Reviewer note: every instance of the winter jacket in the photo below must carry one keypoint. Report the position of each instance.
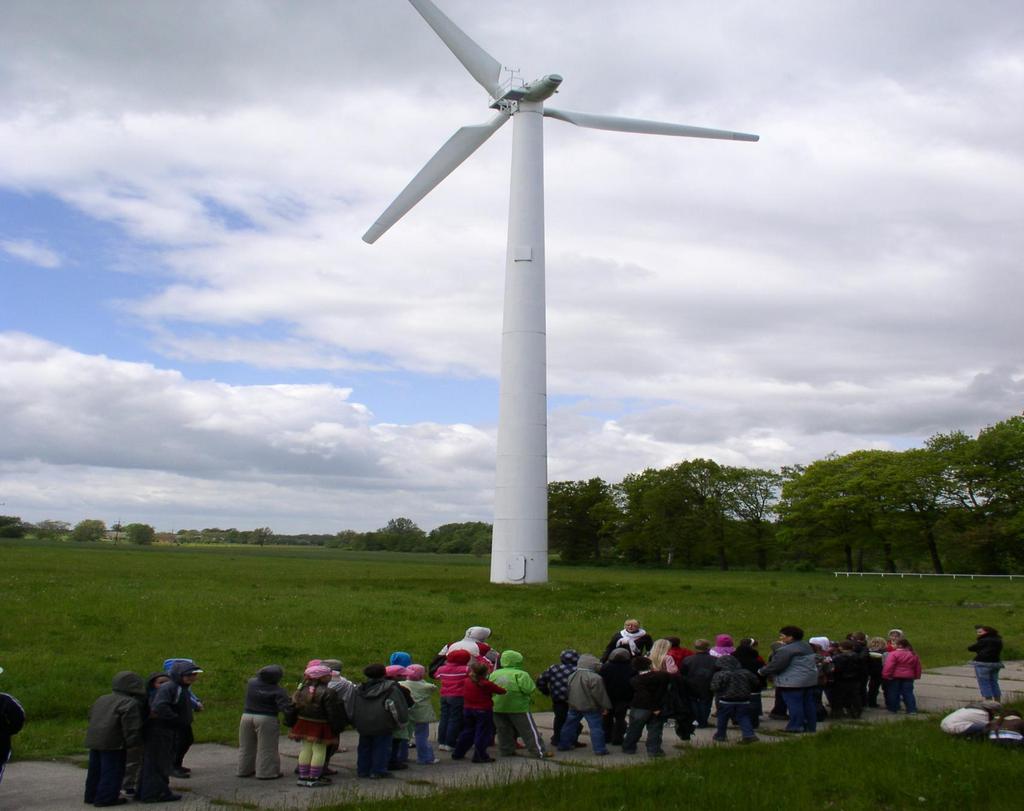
(379, 707)
(988, 648)
(171, 704)
(422, 710)
(902, 664)
(697, 672)
(264, 694)
(793, 665)
(12, 719)
(642, 644)
(586, 689)
(732, 682)
(751, 660)
(479, 695)
(452, 674)
(518, 684)
(320, 704)
(115, 720)
(618, 674)
(849, 667)
(649, 689)
(554, 681)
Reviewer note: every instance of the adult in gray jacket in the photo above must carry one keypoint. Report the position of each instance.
(793, 669)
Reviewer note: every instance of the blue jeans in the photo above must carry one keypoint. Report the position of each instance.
(571, 730)
(638, 720)
(424, 751)
(372, 754)
(987, 674)
(897, 690)
(801, 705)
(450, 724)
(728, 710)
(701, 710)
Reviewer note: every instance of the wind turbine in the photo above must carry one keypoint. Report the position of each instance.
(519, 546)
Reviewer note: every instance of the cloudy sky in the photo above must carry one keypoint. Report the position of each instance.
(192, 332)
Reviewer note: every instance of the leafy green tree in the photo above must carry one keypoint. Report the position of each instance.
(140, 534)
(51, 530)
(261, 536)
(11, 526)
(582, 516)
(91, 529)
(400, 535)
(750, 497)
(460, 538)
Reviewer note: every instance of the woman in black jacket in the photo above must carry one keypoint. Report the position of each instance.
(987, 664)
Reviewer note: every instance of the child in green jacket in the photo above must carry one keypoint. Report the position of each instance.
(512, 710)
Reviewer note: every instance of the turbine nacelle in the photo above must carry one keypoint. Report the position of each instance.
(537, 90)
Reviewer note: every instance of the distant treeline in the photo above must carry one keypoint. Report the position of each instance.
(955, 505)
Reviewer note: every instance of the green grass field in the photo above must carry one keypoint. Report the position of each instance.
(73, 615)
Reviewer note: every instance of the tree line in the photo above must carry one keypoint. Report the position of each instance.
(956, 504)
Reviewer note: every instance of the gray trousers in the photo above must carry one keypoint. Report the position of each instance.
(257, 746)
(508, 725)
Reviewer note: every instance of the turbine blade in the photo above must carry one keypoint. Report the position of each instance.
(611, 122)
(481, 65)
(456, 149)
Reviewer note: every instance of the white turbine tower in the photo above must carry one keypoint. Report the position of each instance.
(519, 547)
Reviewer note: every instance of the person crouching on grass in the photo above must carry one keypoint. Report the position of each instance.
(477, 714)
(115, 725)
(320, 718)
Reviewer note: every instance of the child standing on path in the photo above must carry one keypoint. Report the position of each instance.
(258, 729)
(320, 719)
(379, 707)
(421, 713)
(477, 714)
(732, 685)
(901, 669)
(115, 725)
(512, 710)
(452, 677)
(554, 682)
(587, 699)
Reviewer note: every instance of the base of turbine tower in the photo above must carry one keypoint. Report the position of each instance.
(519, 568)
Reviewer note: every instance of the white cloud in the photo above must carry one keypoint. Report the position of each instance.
(31, 252)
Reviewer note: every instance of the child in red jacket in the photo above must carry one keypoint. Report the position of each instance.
(477, 714)
(901, 669)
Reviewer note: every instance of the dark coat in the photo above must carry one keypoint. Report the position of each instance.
(643, 645)
(264, 694)
(322, 704)
(115, 720)
(988, 648)
(171, 704)
(650, 688)
(697, 672)
(12, 719)
(849, 667)
(617, 678)
(379, 707)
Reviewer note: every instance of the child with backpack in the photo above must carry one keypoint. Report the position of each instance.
(379, 707)
(320, 718)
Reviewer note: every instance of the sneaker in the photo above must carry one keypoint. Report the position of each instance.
(330, 772)
(181, 774)
(547, 754)
(321, 781)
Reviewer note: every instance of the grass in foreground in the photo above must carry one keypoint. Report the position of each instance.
(901, 765)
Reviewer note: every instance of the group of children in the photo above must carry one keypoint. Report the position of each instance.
(637, 686)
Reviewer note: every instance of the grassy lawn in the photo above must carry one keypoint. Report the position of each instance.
(73, 615)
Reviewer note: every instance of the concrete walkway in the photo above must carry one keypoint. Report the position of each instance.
(58, 785)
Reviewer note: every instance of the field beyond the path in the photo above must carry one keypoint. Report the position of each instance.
(74, 614)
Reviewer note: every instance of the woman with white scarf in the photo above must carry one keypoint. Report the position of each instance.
(632, 638)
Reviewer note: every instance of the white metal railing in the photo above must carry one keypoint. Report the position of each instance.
(925, 574)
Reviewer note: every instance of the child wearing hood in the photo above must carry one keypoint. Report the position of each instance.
(115, 725)
(379, 707)
(12, 719)
(421, 713)
(512, 710)
(588, 699)
(258, 729)
(732, 685)
(185, 735)
(133, 761)
(723, 646)
(618, 673)
(452, 678)
(554, 682)
(170, 713)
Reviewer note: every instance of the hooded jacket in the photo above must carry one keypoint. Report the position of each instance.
(115, 720)
(902, 663)
(697, 672)
(586, 688)
(171, 705)
(793, 665)
(554, 681)
(452, 674)
(618, 674)
(379, 707)
(733, 682)
(264, 694)
(988, 648)
(518, 684)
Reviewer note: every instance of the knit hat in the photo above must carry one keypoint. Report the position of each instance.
(333, 664)
(395, 672)
(821, 641)
(400, 658)
(477, 633)
(317, 672)
(415, 672)
(723, 641)
(458, 657)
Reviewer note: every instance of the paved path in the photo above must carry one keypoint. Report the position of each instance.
(57, 785)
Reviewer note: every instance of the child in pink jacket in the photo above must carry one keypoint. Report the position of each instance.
(901, 669)
(451, 677)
